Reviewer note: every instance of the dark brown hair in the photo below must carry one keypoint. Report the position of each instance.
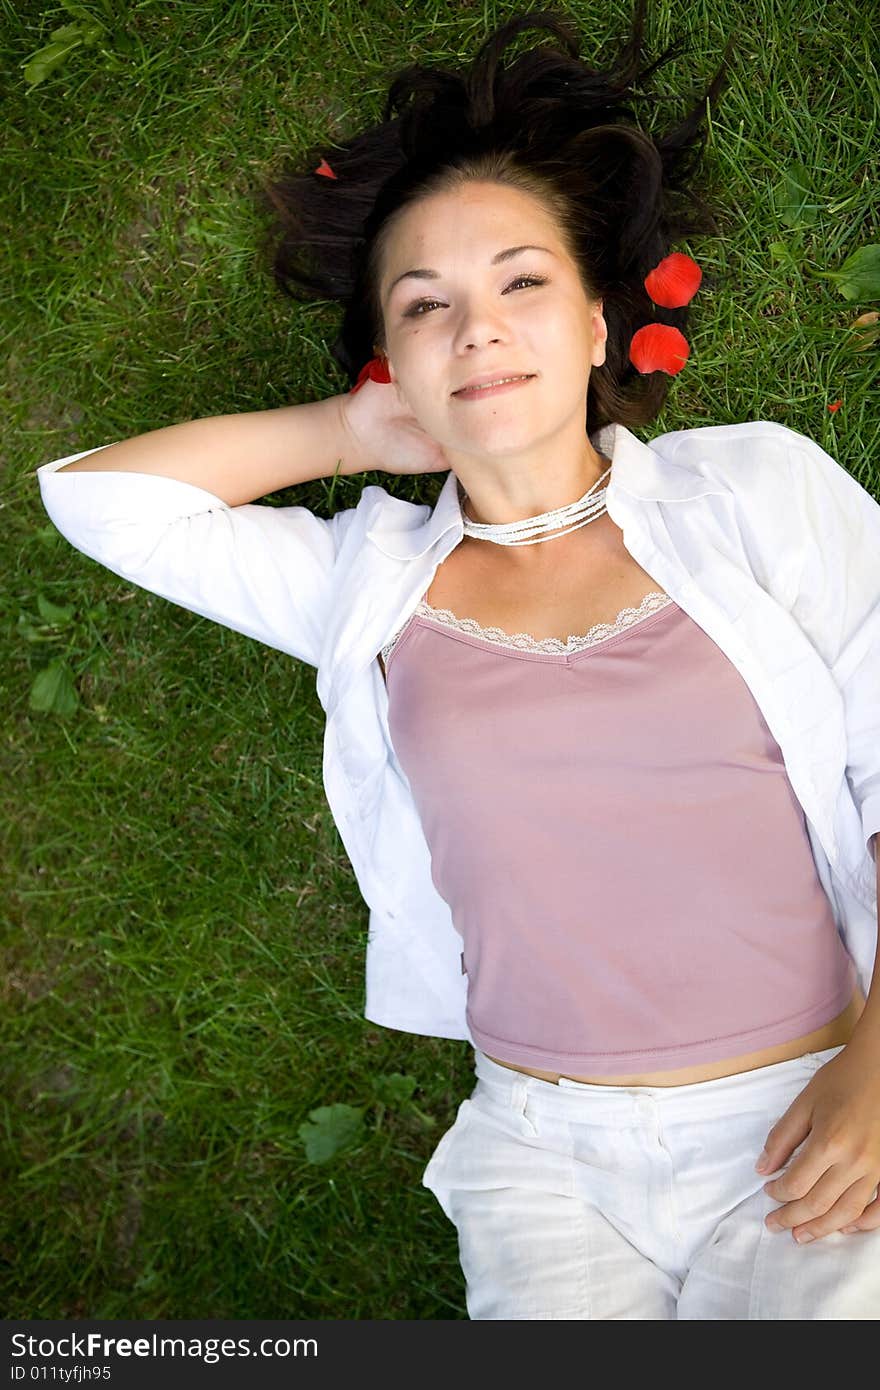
(549, 125)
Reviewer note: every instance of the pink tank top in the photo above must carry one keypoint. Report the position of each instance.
(611, 823)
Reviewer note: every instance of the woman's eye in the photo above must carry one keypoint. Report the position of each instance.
(520, 279)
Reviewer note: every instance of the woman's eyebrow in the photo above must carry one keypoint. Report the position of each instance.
(421, 273)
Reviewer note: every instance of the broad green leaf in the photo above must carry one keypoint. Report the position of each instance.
(53, 612)
(44, 62)
(794, 199)
(92, 33)
(334, 1127)
(859, 276)
(395, 1089)
(53, 691)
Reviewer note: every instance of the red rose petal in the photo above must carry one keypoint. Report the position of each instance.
(374, 370)
(324, 168)
(835, 405)
(378, 368)
(658, 347)
(674, 282)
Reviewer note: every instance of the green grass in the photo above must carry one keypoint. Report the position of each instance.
(183, 937)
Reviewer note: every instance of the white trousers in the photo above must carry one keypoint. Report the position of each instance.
(585, 1201)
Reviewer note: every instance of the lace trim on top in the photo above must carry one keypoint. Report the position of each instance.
(523, 641)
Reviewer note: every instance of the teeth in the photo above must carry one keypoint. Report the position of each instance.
(503, 382)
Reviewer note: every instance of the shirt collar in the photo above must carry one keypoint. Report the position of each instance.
(636, 468)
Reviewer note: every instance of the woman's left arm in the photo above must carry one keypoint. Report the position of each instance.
(832, 1183)
(867, 1029)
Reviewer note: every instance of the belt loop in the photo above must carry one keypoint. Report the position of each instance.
(519, 1098)
(520, 1091)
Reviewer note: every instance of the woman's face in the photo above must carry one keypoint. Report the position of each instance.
(480, 316)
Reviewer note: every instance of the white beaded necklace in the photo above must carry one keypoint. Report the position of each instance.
(533, 529)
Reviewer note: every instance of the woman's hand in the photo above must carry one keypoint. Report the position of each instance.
(385, 434)
(832, 1183)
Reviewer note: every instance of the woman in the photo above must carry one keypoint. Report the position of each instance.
(601, 727)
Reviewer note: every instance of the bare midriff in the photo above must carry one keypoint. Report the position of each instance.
(833, 1034)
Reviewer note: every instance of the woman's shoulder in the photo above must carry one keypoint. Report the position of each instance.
(760, 461)
(743, 443)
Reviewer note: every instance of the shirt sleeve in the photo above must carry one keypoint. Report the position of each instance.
(839, 605)
(262, 570)
(861, 694)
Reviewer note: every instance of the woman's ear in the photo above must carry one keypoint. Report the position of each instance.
(600, 334)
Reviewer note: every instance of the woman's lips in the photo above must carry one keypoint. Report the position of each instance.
(476, 392)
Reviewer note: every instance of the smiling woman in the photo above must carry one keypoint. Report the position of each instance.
(498, 366)
(495, 242)
(609, 807)
(551, 127)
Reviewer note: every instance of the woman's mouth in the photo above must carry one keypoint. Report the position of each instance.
(473, 393)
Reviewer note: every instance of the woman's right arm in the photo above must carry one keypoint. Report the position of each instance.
(240, 458)
(172, 511)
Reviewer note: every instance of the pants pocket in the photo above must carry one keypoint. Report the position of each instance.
(441, 1151)
(438, 1163)
(495, 1144)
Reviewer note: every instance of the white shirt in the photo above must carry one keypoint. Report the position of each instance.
(760, 536)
